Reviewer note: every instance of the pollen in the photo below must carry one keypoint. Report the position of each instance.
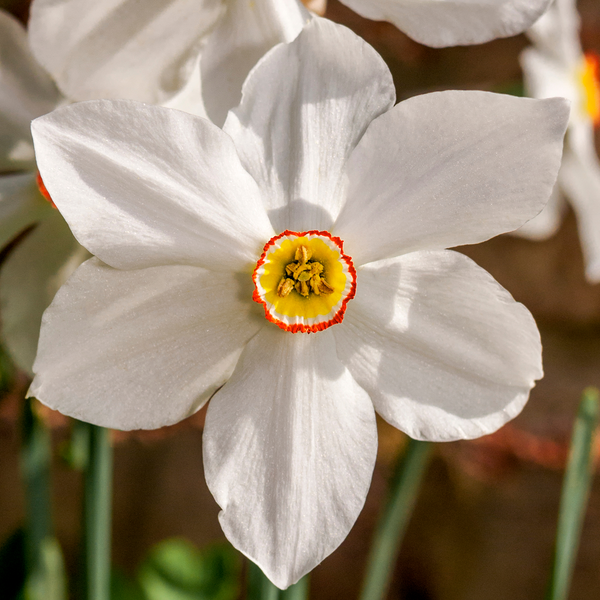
(304, 276)
(590, 82)
(304, 281)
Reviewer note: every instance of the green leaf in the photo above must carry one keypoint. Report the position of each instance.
(48, 581)
(575, 493)
(402, 496)
(176, 570)
(12, 565)
(123, 587)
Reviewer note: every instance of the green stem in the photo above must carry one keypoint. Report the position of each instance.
(298, 591)
(260, 586)
(36, 455)
(404, 488)
(97, 514)
(574, 497)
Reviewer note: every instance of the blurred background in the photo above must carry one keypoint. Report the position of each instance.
(485, 520)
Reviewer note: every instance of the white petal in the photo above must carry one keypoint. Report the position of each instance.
(26, 92)
(29, 279)
(21, 205)
(443, 350)
(450, 168)
(141, 349)
(119, 48)
(289, 449)
(579, 178)
(441, 23)
(243, 35)
(304, 108)
(548, 221)
(143, 186)
(189, 99)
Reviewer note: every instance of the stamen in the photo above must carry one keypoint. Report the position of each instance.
(303, 276)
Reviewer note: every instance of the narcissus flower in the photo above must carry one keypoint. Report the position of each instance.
(293, 267)
(443, 23)
(556, 66)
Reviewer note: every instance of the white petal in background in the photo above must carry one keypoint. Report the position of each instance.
(556, 32)
(26, 92)
(443, 350)
(579, 178)
(304, 108)
(245, 33)
(120, 48)
(29, 279)
(21, 205)
(143, 186)
(141, 349)
(546, 77)
(441, 23)
(450, 168)
(289, 449)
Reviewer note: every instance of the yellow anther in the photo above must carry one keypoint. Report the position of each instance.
(303, 276)
(316, 268)
(302, 288)
(324, 287)
(303, 254)
(285, 287)
(314, 284)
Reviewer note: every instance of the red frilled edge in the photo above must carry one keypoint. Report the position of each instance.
(300, 327)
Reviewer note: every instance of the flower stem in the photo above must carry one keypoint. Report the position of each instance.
(404, 488)
(575, 493)
(298, 591)
(259, 585)
(35, 465)
(97, 514)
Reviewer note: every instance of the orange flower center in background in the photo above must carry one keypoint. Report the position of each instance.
(43, 190)
(591, 86)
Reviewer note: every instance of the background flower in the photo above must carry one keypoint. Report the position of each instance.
(556, 66)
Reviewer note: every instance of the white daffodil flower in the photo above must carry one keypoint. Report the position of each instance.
(440, 23)
(319, 208)
(556, 66)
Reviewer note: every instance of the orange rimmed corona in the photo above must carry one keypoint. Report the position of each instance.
(43, 191)
(590, 83)
(304, 281)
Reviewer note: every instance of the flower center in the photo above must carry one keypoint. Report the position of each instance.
(43, 190)
(304, 276)
(590, 82)
(304, 281)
